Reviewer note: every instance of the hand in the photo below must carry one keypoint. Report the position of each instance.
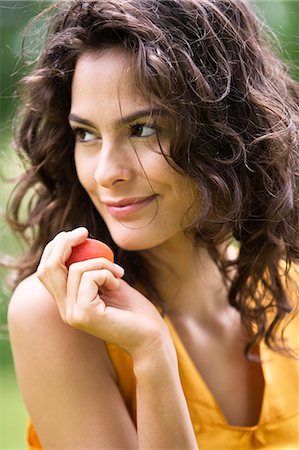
(91, 297)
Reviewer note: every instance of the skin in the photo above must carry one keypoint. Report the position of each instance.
(118, 159)
(96, 305)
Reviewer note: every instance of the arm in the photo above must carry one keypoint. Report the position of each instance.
(120, 315)
(66, 377)
(162, 414)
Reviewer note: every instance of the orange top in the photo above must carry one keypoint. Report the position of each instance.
(279, 420)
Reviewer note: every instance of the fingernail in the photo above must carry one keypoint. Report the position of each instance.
(119, 269)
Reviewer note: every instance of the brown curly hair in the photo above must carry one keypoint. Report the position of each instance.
(235, 110)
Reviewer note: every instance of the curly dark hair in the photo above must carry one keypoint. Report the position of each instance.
(235, 109)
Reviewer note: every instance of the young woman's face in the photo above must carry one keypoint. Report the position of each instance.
(143, 201)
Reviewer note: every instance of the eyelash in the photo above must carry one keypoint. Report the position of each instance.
(78, 131)
(156, 129)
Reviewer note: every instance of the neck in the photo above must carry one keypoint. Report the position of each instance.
(187, 279)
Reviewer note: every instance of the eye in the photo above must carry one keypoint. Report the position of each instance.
(83, 135)
(142, 130)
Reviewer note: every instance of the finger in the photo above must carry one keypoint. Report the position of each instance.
(55, 263)
(41, 271)
(46, 253)
(63, 243)
(76, 271)
(96, 264)
(93, 282)
(76, 233)
(49, 247)
(52, 271)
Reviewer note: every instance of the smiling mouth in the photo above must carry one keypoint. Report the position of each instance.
(126, 207)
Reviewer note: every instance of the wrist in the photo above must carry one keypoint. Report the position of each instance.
(160, 356)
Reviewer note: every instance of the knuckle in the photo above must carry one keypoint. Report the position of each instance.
(49, 265)
(90, 276)
(87, 276)
(105, 273)
(102, 260)
(74, 269)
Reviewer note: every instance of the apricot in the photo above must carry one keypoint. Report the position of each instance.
(89, 249)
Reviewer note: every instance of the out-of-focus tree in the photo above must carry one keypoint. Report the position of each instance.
(281, 15)
(14, 16)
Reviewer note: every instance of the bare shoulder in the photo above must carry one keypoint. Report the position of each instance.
(33, 316)
(31, 301)
(57, 365)
(34, 322)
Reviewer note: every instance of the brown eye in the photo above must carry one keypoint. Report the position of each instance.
(84, 135)
(141, 130)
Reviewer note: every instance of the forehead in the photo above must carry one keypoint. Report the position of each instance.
(108, 72)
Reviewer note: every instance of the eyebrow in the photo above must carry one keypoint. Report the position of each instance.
(124, 120)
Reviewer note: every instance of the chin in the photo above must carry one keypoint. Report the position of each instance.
(135, 241)
(132, 245)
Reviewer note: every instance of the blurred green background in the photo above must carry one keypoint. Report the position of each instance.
(281, 15)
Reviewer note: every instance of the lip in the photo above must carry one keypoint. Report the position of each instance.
(127, 206)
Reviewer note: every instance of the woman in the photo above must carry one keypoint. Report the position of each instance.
(168, 130)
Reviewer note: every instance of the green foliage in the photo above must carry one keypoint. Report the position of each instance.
(281, 15)
(13, 415)
(14, 16)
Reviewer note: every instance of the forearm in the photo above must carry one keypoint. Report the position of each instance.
(163, 420)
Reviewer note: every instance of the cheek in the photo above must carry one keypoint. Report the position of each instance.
(186, 195)
(84, 172)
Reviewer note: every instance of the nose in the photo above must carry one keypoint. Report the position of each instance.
(114, 164)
